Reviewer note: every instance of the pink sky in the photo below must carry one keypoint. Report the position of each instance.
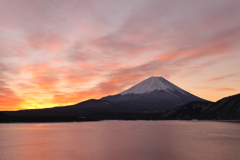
(61, 52)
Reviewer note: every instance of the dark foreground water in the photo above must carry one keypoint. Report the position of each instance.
(121, 140)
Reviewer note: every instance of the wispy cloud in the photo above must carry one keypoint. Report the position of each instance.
(219, 78)
(217, 88)
(225, 89)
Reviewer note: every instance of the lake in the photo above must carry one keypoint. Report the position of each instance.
(121, 140)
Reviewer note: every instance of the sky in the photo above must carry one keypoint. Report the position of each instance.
(62, 52)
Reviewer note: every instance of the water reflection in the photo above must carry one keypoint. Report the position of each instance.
(117, 140)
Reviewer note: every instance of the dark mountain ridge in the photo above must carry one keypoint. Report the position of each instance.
(227, 108)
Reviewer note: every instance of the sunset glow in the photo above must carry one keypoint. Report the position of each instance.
(62, 52)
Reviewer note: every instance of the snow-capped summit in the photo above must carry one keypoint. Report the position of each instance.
(154, 93)
(152, 84)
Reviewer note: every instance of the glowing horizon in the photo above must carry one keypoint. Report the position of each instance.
(59, 52)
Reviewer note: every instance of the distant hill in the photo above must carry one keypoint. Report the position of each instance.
(227, 108)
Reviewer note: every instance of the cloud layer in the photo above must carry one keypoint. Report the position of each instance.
(60, 52)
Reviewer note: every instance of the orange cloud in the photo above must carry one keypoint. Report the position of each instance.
(10, 103)
(44, 75)
(46, 82)
(9, 100)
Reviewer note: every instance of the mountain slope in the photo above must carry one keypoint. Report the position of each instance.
(152, 94)
(225, 109)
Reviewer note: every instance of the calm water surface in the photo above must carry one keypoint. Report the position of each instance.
(121, 140)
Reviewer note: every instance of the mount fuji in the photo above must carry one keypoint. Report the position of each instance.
(152, 94)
